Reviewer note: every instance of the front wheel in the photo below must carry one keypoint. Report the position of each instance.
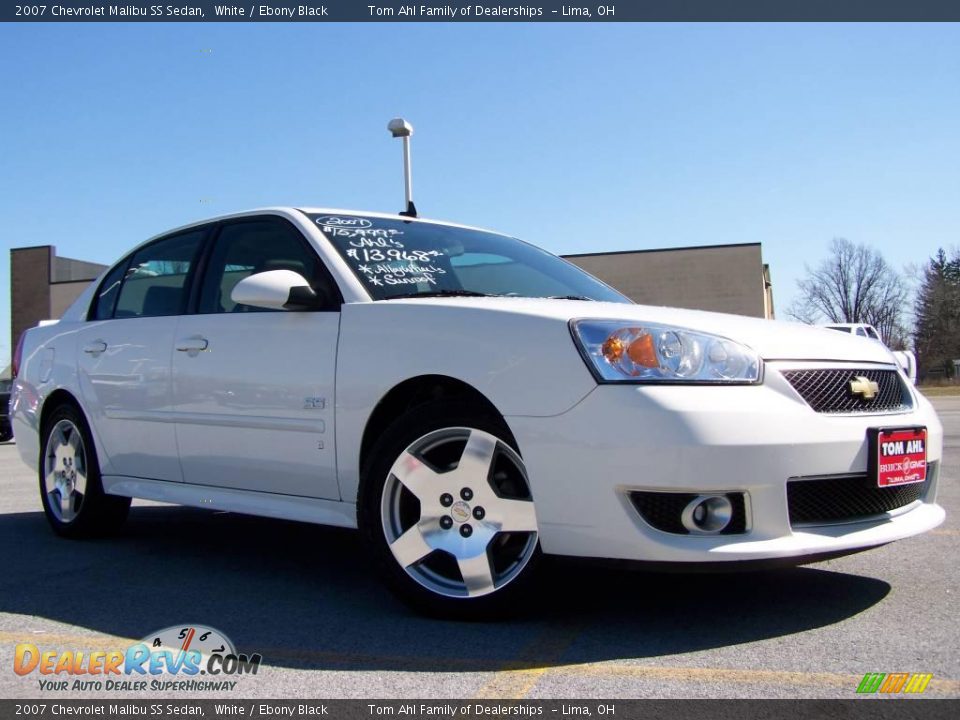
(73, 498)
(447, 511)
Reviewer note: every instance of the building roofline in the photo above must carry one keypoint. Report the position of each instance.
(673, 249)
(78, 260)
(33, 247)
(78, 280)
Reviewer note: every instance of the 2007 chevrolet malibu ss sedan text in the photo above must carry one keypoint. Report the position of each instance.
(468, 401)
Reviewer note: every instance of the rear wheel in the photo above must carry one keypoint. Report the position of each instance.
(447, 511)
(70, 488)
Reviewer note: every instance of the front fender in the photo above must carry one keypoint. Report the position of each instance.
(525, 365)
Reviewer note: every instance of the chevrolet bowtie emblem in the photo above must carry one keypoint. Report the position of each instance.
(864, 387)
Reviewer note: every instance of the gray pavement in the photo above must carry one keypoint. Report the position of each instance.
(304, 597)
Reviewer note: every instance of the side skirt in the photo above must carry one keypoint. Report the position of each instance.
(247, 502)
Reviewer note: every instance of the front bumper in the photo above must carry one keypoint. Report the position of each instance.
(706, 439)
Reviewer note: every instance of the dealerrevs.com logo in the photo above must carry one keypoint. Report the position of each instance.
(185, 658)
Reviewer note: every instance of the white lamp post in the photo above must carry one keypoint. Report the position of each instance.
(400, 128)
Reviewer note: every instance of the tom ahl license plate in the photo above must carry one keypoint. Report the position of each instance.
(898, 456)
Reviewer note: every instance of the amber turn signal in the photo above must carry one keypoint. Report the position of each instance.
(632, 346)
(642, 352)
(613, 348)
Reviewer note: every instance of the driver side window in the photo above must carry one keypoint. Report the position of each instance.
(245, 248)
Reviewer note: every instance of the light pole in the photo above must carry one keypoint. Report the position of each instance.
(400, 128)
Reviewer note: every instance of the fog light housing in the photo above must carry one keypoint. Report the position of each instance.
(662, 510)
(707, 514)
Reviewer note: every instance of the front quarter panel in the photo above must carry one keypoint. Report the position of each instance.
(525, 365)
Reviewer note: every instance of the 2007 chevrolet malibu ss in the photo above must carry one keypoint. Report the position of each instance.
(469, 401)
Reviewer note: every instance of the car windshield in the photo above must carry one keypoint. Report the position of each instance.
(398, 258)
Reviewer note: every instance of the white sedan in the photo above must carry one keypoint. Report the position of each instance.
(469, 401)
(905, 358)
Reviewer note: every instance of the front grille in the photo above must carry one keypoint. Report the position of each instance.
(828, 391)
(848, 498)
(662, 510)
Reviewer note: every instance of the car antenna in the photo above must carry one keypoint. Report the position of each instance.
(400, 128)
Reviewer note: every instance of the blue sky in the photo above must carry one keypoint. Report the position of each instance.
(579, 138)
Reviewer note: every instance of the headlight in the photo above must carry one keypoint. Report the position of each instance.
(624, 351)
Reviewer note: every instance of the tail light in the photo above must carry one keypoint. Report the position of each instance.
(17, 356)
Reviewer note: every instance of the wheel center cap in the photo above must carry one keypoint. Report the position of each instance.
(460, 511)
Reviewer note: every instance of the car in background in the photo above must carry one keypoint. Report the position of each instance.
(468, 401)
(905, 358)
(6, 430)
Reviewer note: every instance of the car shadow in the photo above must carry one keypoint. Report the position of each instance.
(305, 597)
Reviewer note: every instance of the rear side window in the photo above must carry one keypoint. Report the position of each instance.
(106, 297)
(245, 248)
(156, 279)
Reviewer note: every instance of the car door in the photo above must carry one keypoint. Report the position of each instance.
(253, 389)
(124, 358)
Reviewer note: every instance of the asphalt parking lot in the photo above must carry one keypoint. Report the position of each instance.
(303, 597)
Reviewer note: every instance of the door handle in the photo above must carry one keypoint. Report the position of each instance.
(193, 345)
(95, 348)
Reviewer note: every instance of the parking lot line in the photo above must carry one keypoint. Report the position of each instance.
(517, 684)
(517, 678)
(510, 684)
(83, 641)
(732, 675)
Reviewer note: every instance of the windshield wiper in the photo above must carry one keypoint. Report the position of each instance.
(569, 297)
(441, 293)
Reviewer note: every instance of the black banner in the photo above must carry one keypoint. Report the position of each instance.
(145, 709)
(464, 11)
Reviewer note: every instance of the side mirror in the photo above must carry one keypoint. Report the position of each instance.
(277, 290)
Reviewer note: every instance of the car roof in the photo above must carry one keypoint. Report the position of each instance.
(389, 216)
(323, 211)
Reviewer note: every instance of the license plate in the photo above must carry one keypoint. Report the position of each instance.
(898, 456)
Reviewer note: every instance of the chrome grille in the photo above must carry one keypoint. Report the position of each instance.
(828, 390)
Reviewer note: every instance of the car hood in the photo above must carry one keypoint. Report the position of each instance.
(773, 339)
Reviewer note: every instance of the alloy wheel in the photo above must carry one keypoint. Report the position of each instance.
(457, 512)
(65, 471)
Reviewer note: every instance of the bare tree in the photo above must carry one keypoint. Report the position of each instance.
(854, 284)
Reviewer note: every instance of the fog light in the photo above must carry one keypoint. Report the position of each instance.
(707, 514)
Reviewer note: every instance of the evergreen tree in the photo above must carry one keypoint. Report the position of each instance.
(937, 310)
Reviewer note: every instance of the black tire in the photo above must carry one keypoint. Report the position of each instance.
(94, 513)
(443, 419)
(6, 435)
